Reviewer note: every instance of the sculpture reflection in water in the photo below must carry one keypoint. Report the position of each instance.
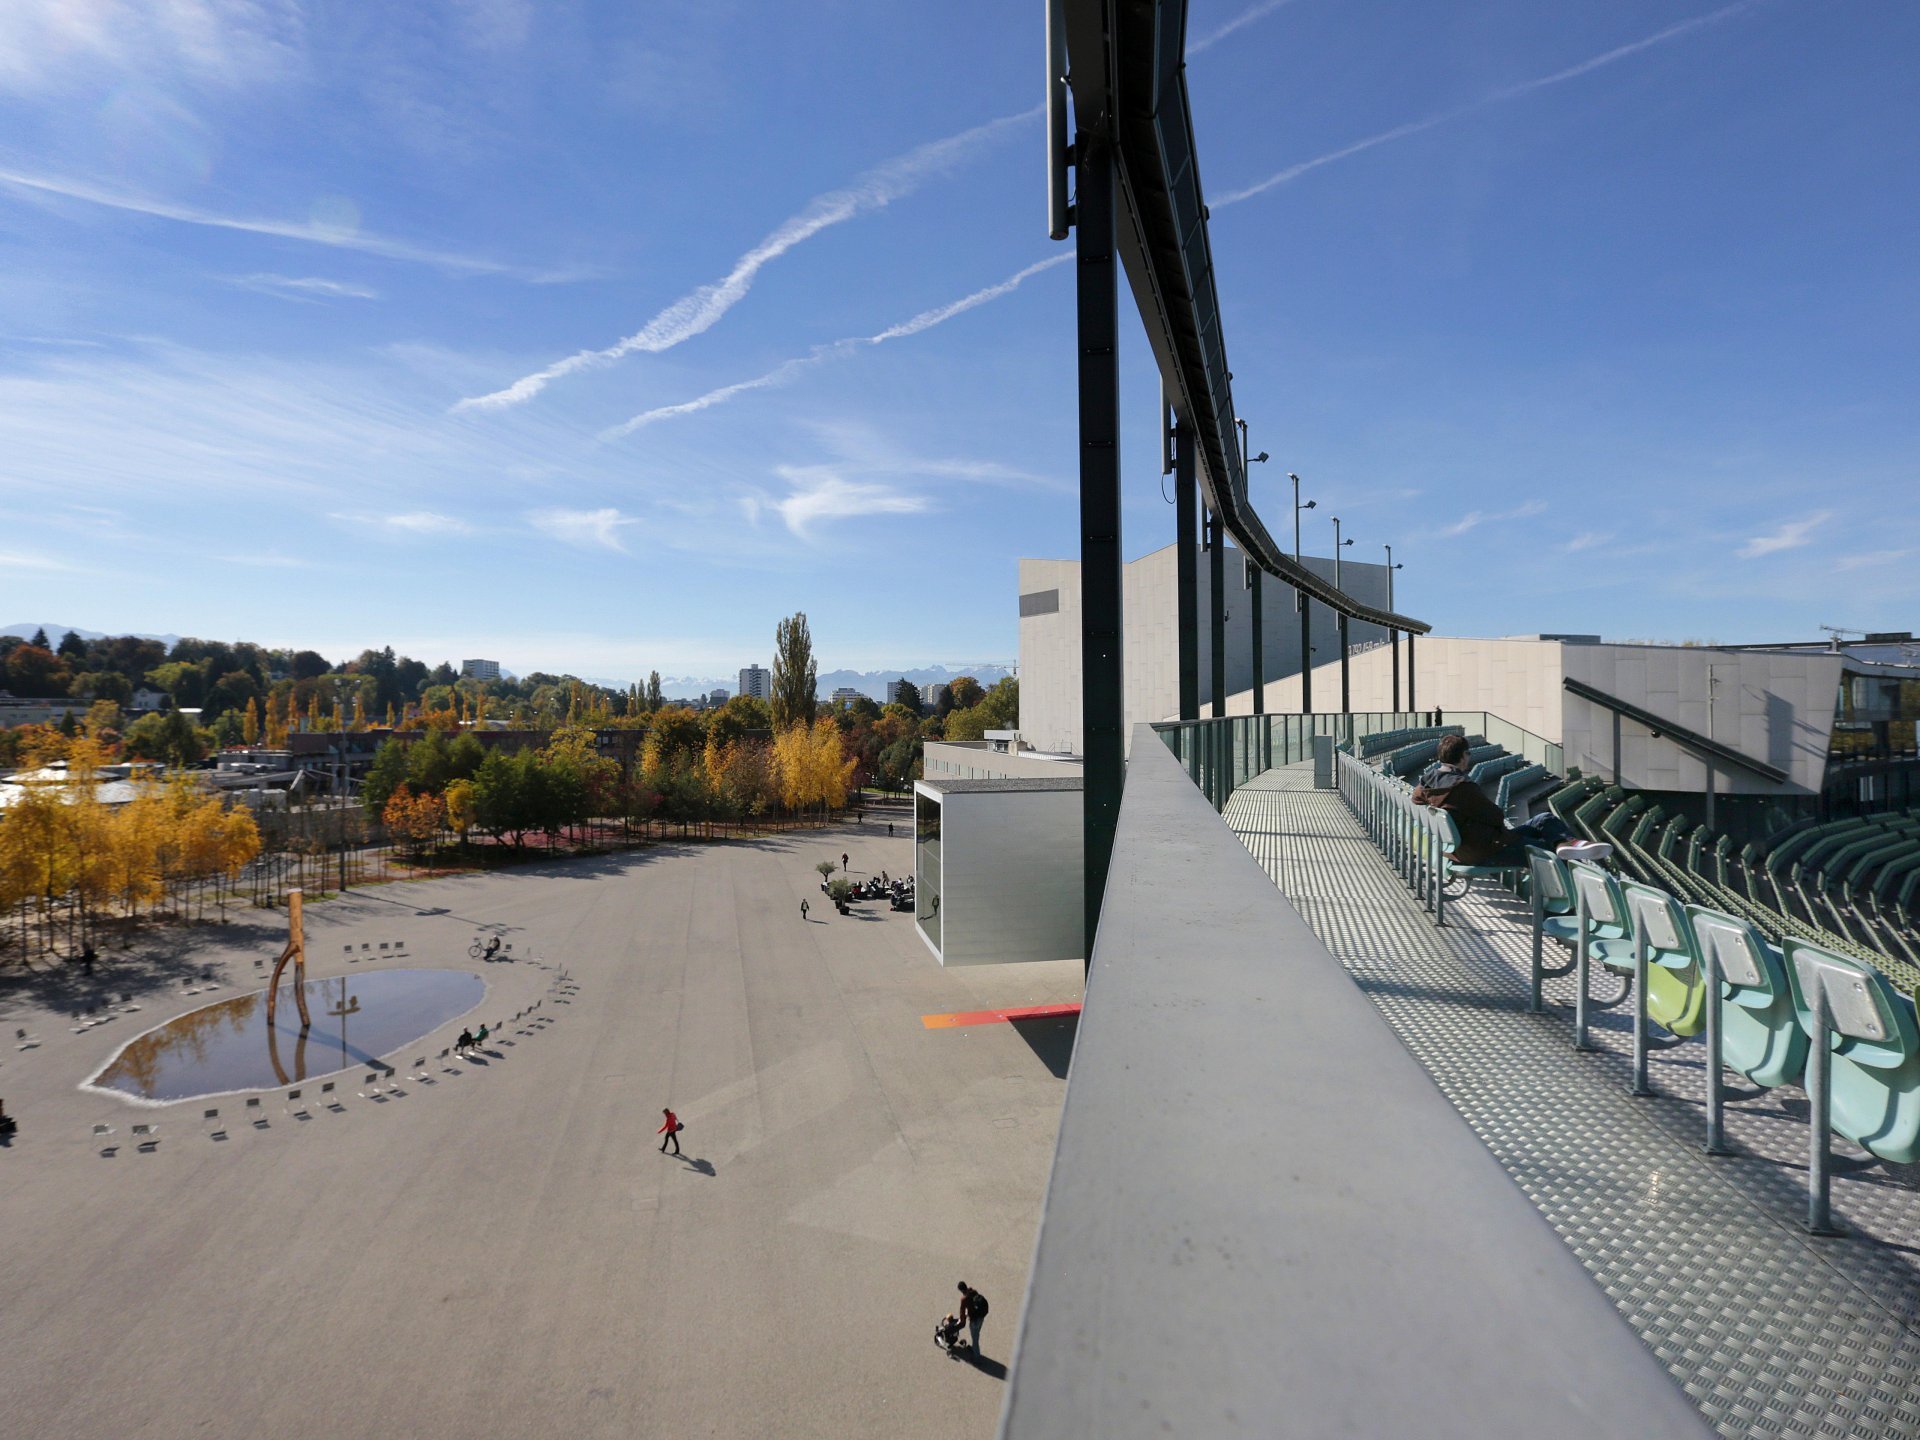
(229, 1046)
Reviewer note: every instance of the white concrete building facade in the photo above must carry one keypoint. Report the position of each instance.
(756, 682)
(1050, 637)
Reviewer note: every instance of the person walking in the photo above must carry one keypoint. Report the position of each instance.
(670, 1128)
(973, 1310)
(843, 860)
(803, 909)
(889, 829)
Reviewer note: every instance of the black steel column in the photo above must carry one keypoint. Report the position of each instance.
(1396, 670)
(1217, 577)
(1411, 702)
(1102, 678)
(1185, 498)
(1259, 642)
(1346, 692)
(1306, 654)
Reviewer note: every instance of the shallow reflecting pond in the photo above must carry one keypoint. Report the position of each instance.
(225, 1047)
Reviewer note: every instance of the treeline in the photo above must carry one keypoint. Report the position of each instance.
(68, 861)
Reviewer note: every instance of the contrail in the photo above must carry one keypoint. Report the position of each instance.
(1246, 17)
(1497, 97)
(287, 230)
(701, 309)
(788, 369)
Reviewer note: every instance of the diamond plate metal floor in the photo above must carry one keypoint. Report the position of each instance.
(1770, 1330)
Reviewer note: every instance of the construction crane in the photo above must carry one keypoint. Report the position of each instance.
(1838, 633)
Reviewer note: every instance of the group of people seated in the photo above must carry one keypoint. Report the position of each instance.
(469, 1040)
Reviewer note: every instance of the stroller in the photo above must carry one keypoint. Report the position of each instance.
(947, 1336)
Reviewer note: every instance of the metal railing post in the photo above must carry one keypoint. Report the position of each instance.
(1820, 1116)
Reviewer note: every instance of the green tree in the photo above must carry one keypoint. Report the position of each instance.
(387, 773)
(654, 700)
(37, 671)
(501, 803)
(464, 757)
(165, 735)
(72, 647)
(183, 680)
(795, 676)
(908, 695)
(965, 692)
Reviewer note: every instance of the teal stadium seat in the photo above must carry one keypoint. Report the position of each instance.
(1863, 1064)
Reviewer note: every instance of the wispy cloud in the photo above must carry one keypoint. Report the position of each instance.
(27, 560)
(790, 369)
(268, 561)
(337, 230)
(699, 310)
(1258, 11)
(1473, 519)
(45, 44)
(820, 493)
(1588, 539)
(410, 522)
(1790, 536)
(306, 288)
(589, 529)
(1871, 558)
(1497, 97)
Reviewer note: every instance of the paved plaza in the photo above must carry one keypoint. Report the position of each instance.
(503, 1251)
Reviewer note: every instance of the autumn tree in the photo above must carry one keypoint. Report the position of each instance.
(795, 676)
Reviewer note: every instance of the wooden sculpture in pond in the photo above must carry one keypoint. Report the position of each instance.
(296, 951)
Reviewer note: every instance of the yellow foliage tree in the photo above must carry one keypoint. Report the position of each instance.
(462, 809)
(250, 721)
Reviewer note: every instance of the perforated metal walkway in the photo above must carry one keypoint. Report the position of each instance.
(1772, 1331)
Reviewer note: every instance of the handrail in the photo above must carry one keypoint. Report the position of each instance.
(1253, 1177)
(1680, 735)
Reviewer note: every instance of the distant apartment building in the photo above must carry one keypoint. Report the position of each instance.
(756, 682)
(894, 688)
(717, 698)
(935, 694)
(846, 695)
(481, 669)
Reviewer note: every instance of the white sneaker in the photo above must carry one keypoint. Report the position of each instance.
(1591, 851)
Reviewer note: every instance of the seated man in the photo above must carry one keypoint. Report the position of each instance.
(493, 948)
(1485, 838)
(465, 1042)
(481, 1038)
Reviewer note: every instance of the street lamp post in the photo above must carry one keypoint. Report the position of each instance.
(1300, 604)
(1346, 688)
(1393, 633)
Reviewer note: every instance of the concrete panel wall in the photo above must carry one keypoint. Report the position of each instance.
(1518, 680)
(1012, 876)
(978, 760)
(1776, 706)
(1050, 640)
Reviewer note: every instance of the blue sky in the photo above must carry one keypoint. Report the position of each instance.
(597, 337)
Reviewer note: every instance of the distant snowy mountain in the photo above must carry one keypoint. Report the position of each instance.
(57, 633)
(867, 682)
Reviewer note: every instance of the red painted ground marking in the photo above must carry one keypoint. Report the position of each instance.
(988, 1017)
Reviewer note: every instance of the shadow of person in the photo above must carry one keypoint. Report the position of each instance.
(703, 1167)
(987, 1367)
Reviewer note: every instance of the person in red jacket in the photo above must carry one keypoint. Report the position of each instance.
(670, 1129)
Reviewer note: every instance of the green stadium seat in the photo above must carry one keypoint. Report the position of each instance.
(1863, 1064)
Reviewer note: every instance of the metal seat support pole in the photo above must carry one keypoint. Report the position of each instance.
(1716, 1085)
(1820, 1113)
(1102, 690)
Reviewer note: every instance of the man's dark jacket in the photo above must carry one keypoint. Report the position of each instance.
(1483, 829)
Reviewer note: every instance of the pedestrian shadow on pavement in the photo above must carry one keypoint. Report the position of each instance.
(703, 1167)
(985, 1366)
